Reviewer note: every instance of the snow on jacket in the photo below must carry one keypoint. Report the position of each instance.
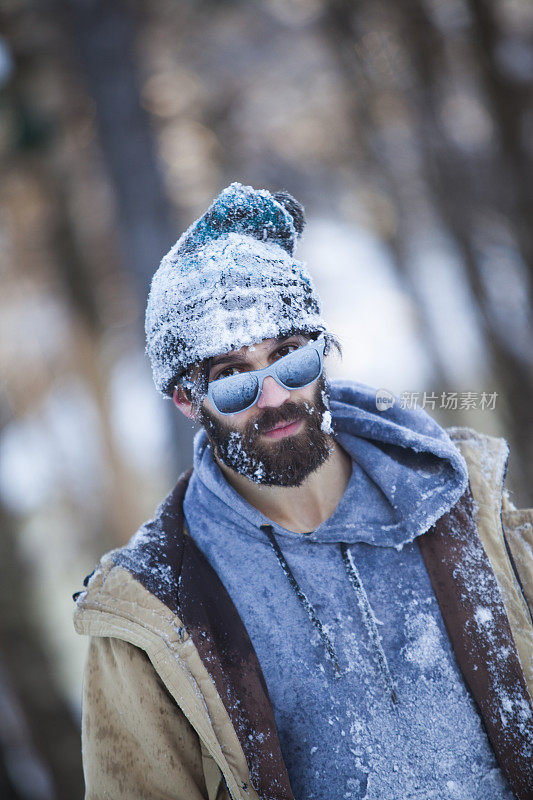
(203, 725)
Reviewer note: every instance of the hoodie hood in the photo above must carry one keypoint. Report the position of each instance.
(406, 473)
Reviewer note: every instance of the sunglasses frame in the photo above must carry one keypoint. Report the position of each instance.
(317, 344)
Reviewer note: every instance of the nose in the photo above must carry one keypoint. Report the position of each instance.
(272, 394)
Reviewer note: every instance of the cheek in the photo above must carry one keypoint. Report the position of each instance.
(207, 408)
(307, 395)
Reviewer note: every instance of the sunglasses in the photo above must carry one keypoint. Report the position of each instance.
(294, 371)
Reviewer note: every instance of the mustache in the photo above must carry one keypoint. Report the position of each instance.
(286, 413)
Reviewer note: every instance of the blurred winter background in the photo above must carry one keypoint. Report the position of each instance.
(405, 128)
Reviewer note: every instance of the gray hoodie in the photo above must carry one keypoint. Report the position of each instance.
(398, 721)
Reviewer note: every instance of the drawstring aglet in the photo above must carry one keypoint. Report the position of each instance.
(338, 671)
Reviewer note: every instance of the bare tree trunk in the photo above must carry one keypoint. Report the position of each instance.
(458, 186)
(461, 190)
(104, 32)
(400, 181)
(509, 102)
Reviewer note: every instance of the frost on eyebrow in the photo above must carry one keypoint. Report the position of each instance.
(241, 358)
(228, 358)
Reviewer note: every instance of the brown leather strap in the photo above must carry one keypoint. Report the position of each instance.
(474, 614)
(225, 648)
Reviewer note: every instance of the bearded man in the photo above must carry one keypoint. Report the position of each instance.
(324, 606)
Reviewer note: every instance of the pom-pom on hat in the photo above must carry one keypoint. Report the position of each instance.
(229, 281)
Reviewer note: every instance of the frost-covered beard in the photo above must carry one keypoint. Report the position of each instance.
(279, 462)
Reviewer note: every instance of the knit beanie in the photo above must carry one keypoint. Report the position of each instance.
(229, 281)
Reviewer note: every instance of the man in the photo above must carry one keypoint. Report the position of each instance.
(325, 607)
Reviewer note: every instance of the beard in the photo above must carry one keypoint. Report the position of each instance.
(279, 462)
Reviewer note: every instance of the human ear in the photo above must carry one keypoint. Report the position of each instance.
(182, 402)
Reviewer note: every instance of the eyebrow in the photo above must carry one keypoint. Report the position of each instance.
(242, 359)
(227, 359)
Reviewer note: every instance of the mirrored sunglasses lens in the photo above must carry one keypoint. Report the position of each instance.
(235, 393)
(300, 370)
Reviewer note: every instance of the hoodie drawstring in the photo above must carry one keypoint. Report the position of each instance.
(302, 597)
(369, 619)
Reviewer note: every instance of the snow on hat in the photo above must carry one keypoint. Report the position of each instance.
(229, 281)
